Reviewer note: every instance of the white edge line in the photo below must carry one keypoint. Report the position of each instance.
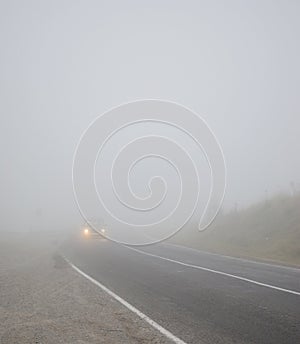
(217, 272)
(143, 316)
(246, 260)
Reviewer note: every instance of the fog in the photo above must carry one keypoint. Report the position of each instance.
(63, 63)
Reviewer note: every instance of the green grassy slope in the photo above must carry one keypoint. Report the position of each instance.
(266, 230)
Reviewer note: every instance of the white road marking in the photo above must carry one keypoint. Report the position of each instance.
(275, 265)
(143, 316)
(216, 272)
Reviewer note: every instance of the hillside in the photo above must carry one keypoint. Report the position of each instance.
(267, 230)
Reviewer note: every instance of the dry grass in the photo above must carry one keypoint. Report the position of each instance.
(267, 230)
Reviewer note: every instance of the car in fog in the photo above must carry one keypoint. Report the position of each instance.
(93, 231)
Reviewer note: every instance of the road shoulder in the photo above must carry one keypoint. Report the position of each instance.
(43, 300)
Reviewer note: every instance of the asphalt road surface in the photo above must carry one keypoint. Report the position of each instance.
(199, 297)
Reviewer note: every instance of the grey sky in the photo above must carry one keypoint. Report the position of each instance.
(62, 63)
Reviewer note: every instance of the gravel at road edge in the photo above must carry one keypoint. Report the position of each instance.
(43, 300)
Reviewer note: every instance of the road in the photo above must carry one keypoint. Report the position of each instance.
(198, 296)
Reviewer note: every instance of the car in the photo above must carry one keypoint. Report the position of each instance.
(89, 232)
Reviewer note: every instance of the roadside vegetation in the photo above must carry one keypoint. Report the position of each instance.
(269, 230)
